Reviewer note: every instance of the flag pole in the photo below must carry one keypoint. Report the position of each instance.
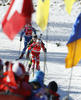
(45, 54)
(71, 70)
(76, 29)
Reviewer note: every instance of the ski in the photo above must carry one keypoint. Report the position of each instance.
(17, 59)
(22, 59)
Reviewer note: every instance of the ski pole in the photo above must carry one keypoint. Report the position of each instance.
(44, 61)
(20, 48)
(26, 65)
(45, 65)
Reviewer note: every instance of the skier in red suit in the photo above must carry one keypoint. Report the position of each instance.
(35, 48)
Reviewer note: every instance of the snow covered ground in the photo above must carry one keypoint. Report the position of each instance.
(58, 31)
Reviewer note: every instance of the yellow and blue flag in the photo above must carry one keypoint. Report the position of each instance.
(42, 13)
(69, 4)
(74, 45)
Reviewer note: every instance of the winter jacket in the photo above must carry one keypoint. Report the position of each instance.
(35, 48)
(18, 87)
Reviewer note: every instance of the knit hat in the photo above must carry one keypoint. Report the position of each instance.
(39, 77)
(18, 69)
(53, 86)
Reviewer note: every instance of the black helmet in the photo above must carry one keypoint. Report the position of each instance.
(34, 36)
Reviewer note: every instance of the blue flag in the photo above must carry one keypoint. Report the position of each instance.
(74, 45)
(76, 31)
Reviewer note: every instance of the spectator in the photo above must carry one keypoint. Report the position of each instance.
(15, 81)
(52, 91)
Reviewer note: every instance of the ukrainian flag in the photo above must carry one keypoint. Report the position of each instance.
(74, 45)
(42, 13)
(69, 4)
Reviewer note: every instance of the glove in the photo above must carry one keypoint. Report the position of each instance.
(20, 38)
(45, 50)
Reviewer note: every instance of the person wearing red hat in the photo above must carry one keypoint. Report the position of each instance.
(22, 78)
(20, 73)
(15, 81)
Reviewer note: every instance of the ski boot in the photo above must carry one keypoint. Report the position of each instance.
(21, 56)
(38, 68)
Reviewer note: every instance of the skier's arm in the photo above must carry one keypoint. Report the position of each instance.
(31, 46)
(34, 30)
(42, 43)
(29, 43)
(43, 47)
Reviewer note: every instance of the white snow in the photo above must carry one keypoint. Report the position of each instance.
(58, 31)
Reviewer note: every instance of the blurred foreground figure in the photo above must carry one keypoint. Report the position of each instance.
(52, 91)
(16, 80)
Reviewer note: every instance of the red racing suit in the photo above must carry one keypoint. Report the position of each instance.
(35, 51)
(28, 32)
